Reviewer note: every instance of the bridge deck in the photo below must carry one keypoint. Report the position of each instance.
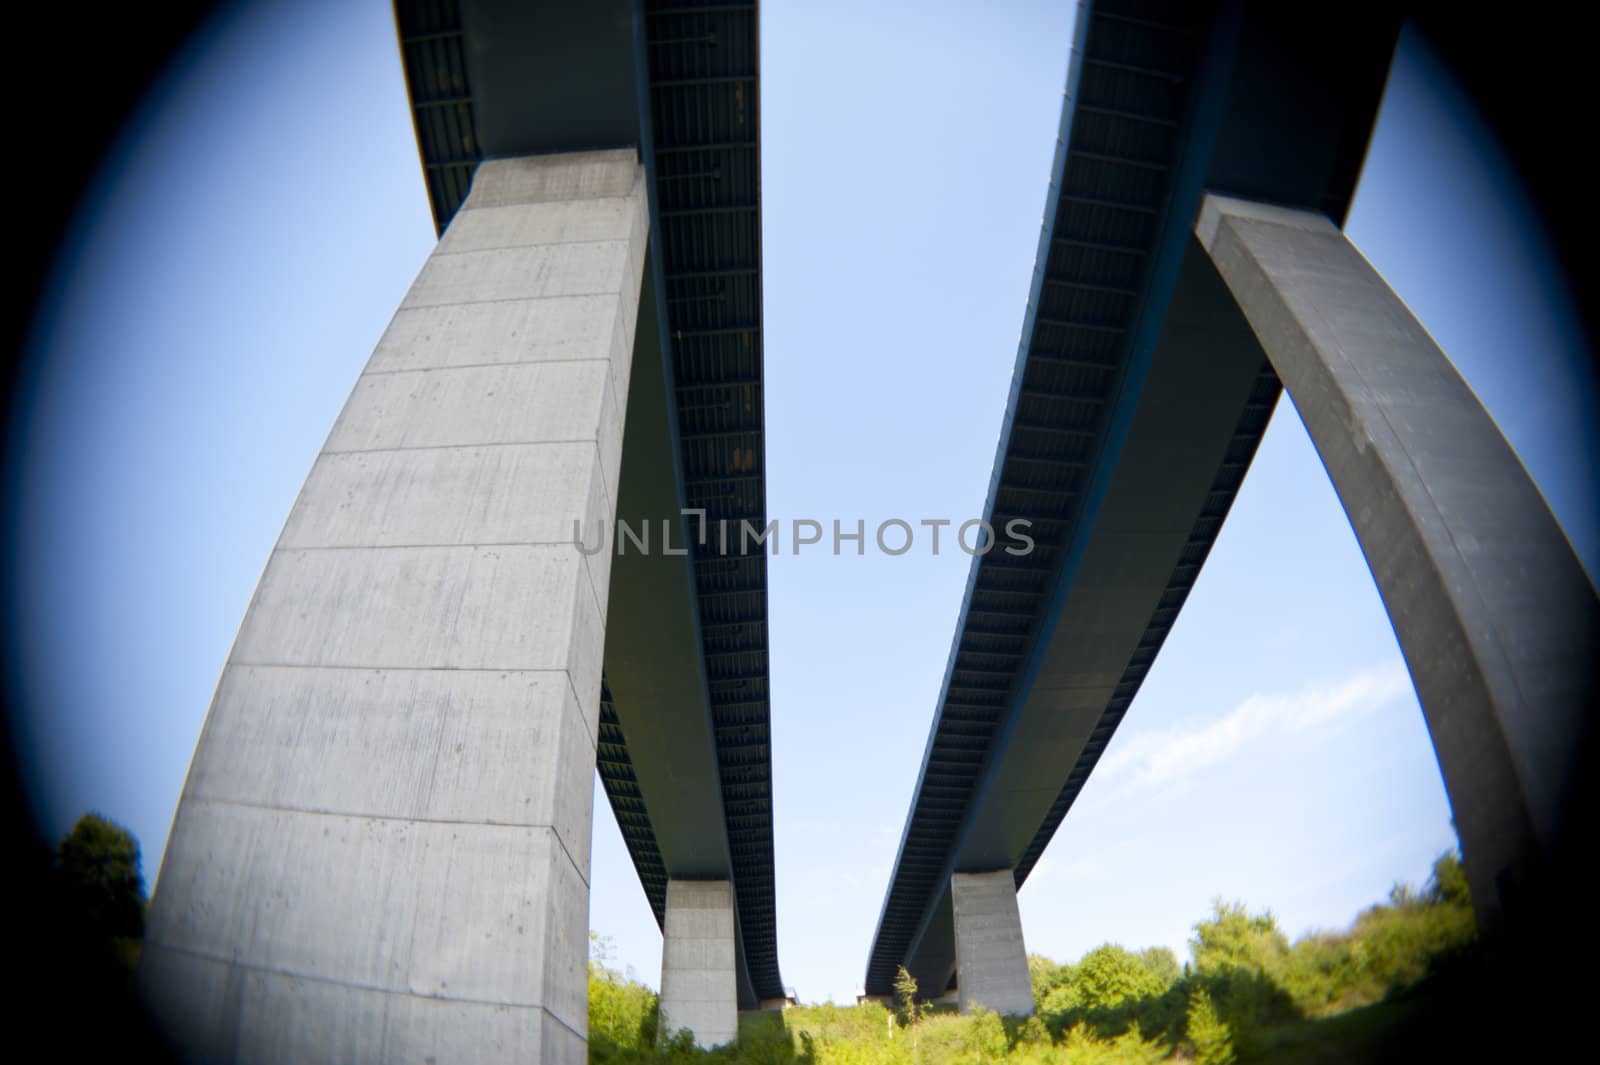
(1163, 100)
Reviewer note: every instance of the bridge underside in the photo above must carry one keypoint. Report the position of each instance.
(1257, 130)
(1139, 398)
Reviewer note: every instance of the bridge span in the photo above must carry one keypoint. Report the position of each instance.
(1191, 266)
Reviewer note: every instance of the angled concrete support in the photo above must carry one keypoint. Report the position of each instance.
(382, 848)
(1493, 611)
(991, 960)
(699, 988)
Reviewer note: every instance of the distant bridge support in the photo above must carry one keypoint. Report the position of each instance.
(991, 960)
(699, 984)
(382, 848)
(1495, 615)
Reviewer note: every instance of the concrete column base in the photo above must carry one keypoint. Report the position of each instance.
(699, 987)
(991, 960)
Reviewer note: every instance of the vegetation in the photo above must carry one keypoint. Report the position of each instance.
(83, 907)
(1212, 1040)
(622, 1012)
(102, 889)
(1396, 978)
(1247, 995)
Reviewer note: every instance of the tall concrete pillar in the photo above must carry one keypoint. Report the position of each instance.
(699, 986)
(991, 960)
(1493, 611)
(382, 849)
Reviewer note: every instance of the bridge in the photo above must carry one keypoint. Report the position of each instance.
(381, 850)
(1189, 268)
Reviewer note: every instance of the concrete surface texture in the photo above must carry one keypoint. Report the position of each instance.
(1494, 614)
(699, 988)
(382, 848)
(991, 960)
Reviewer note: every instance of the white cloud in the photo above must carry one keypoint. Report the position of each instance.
(1150, 761)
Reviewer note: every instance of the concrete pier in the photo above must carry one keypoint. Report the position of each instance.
(1494, 614)
(991, 960)
(382, 848)
(699, 987)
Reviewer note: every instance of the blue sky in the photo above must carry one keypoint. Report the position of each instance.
(258, 224)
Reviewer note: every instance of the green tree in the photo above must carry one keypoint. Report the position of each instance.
(1162, 964)
(1064, 997)
(1111, 989)
(1110, 976)
(1448, 884)
(905, 992)
(1240, 958)
(1212, 1041)
(905, 989)
(1235, 937)
(102, 885)
(623, 1013)
(1045, 976)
